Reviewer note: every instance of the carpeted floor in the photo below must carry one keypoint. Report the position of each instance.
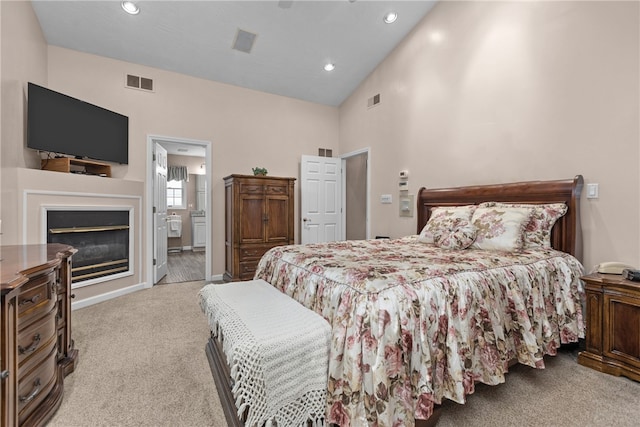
(142, 363)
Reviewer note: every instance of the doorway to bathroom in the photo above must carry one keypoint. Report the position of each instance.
(180, 231)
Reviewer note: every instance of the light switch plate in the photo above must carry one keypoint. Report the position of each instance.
(592, 191)
(386, 199)
(406, 205)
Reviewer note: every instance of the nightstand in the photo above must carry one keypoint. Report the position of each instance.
(613, 325)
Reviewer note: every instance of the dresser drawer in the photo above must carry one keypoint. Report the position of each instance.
(254, 253)
(35, 341)
(34, 387)
(281, 190)
(248, 268)
(37, 298)
(251, 189)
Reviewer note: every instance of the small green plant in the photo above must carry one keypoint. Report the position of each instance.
(259, 171)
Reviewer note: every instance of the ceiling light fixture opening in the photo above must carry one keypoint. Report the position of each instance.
(130, 7)
(390, 17)
(330, 66)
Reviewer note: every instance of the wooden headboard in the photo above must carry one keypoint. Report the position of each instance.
(566, 235)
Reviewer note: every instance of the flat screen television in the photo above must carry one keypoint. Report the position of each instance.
(60, 124)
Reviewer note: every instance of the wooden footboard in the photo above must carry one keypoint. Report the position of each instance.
(222, 378)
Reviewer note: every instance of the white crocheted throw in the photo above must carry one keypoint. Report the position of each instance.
(277, 351)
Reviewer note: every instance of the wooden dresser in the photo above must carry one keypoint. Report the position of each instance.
(259, 215)
(613, 325)
(35, 331)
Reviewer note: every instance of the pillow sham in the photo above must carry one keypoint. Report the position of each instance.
(537, 231)
(447, 220)
(500, 229)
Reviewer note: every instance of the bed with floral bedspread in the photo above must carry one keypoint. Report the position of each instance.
(413, 323)
(492, 277)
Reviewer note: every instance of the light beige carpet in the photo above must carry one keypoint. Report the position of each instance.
(142, 363)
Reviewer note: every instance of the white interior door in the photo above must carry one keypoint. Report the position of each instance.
(160, 249)
(320, 199)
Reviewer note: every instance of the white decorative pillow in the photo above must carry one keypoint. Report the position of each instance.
(500, 228)
(446, 220)
(538, 230)
(459, 237)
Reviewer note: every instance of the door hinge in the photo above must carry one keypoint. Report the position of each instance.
(154, 157)
(154, 261)
(154, 209)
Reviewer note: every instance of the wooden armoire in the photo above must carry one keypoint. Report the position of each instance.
(258, 216)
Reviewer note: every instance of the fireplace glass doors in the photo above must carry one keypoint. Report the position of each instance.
(100, 236)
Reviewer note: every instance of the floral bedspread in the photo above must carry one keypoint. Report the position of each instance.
(413, 324)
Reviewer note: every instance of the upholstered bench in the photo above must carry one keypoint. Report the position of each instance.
(268, 355)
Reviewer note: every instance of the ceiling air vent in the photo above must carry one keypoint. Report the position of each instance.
(373, 101)
(137, 82)
(244, 41)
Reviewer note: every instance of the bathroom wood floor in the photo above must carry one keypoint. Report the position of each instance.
(185, 266)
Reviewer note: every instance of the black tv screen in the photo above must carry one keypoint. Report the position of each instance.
(61, 124)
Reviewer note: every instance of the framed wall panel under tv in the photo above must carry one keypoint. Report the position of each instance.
(79, 166)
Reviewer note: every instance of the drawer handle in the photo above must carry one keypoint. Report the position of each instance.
(34, 299)
(34, 393)
(32, 347)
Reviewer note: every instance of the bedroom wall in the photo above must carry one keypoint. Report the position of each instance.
(247, 128)
(24, 58)
(489, 92)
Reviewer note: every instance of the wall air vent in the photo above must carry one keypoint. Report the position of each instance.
(244, 41)
(373, 101)
(325, 152)
(285, 4)
(137, 82)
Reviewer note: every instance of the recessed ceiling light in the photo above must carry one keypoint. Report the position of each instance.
(390, 17)
(330, 66)
(130, 7)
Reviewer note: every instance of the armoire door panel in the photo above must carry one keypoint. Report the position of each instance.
(252, 220)
(277, 226)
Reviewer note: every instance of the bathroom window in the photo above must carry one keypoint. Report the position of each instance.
(176, 195)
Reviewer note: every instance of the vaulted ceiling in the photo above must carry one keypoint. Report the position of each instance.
(293, 39)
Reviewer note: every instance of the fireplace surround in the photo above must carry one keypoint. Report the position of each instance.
(102, 237)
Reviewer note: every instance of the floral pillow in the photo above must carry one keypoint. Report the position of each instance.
(458, 237)
(500, 228)
(538, 230)
(449, 227)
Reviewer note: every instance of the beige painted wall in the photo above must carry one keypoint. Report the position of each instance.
(247, 128)
(24, 58)
(487, 92)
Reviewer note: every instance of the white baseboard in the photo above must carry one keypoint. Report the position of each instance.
(106, 296)
(217, 277)
(75, 305)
